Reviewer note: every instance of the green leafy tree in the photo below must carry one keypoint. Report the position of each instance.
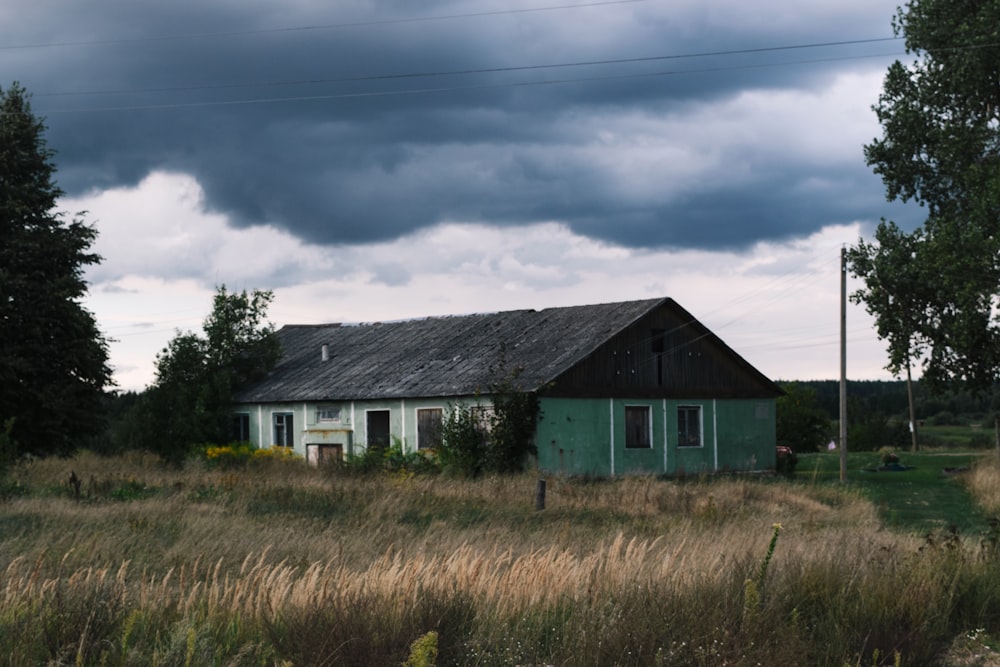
(869, 429)
(53, 358)
(800, 421)
(189, 403)
(464, 441)
(940, 147)
(896, 295)
(499, 439)
(512, 425)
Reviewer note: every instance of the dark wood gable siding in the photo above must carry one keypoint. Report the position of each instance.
(666, 353)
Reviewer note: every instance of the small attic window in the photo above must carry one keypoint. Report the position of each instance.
(328, 415)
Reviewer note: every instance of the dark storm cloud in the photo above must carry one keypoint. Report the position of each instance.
(365, 124)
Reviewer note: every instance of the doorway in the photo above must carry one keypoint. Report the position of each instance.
(377, 429)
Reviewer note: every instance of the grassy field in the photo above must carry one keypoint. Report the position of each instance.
(924, 498)
(976, 436)
(278, 564)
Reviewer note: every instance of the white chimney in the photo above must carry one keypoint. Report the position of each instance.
(325, 352)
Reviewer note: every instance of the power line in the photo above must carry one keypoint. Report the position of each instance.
(490, 70)
(318, 27)
(444, 89)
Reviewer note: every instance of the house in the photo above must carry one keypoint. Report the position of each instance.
(636, 386)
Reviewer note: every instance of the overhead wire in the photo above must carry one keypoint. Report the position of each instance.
(426, 90)
(316, 27)
(504, 69)
(463, 72)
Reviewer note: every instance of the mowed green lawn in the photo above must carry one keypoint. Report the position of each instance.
(923, 499)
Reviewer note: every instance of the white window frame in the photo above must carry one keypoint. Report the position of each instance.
(416, 413)
(289, 433)
(328, 415)
(701, 425)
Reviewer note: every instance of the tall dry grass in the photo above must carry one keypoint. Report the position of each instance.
(283, 563)
(984, 482)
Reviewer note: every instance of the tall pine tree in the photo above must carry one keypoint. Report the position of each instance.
(53, 359)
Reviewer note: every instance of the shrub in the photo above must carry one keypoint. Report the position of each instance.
(875, 432)
(370, 459)
(226, 457)
(276, 453)
(463, 442)
(423, 461)
(944, 418)
(239, 454)
(8, 449)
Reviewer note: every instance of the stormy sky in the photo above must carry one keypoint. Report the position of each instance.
(376, 160)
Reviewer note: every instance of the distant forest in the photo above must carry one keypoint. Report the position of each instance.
(888, 398)
(878, 416)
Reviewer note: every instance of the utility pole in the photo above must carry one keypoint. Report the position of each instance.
(843, 364)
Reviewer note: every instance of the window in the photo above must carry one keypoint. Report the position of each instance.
(284, 433)
(689, 426)
(328, 415)
(483, 417)
(428, 428)
(239, 427)
(637, 427)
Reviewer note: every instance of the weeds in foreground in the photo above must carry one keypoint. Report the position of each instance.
(280, 564)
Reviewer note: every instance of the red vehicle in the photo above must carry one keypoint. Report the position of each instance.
(785, 460)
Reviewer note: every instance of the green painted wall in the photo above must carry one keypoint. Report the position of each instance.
(587, 437)
(746, 434)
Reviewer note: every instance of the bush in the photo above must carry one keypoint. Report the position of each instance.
(943, 418)
(276, 453)
(227, 457)
(8, 449)
(393, 459)
(801, 423)
(463, 441)
(876, 432)
(423, 461)
(239, 454)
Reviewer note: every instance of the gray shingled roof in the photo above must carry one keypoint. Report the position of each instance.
(438, 356)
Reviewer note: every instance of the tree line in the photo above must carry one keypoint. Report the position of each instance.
(878, 413)
(56, 388)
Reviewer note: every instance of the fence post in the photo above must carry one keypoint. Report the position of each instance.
(540, 495)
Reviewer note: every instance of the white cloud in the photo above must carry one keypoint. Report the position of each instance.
(161, 229)
(777, 304)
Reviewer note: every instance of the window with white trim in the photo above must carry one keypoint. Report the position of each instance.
(284, 432)
(328, 415)
(689, 426)
(428, 428)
